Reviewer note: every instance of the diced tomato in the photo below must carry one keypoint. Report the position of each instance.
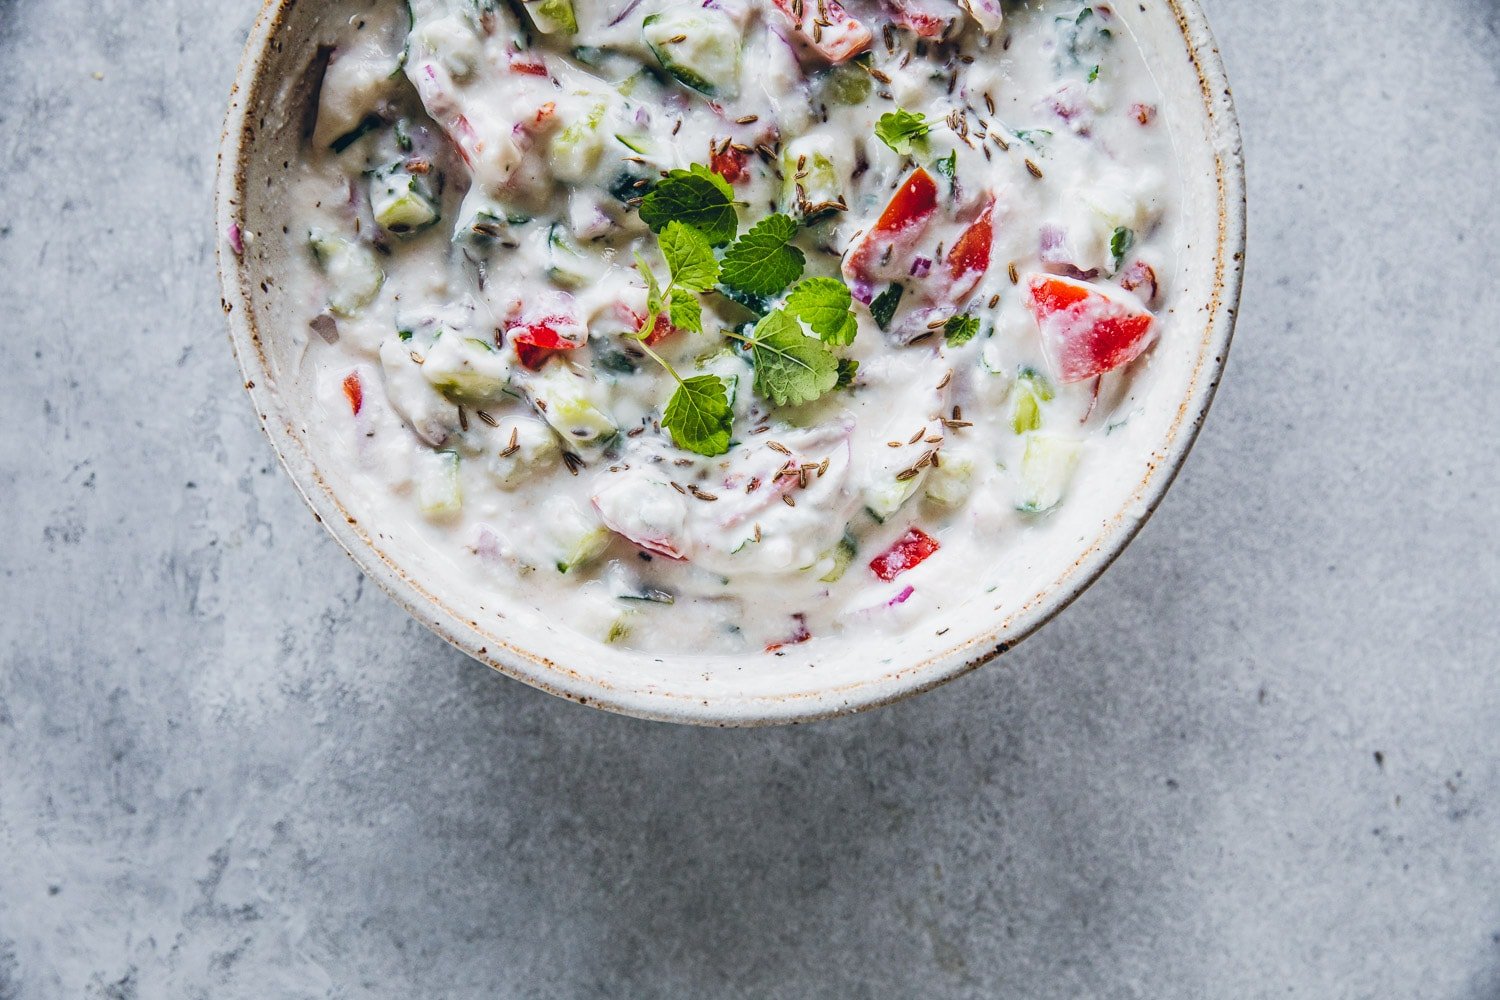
(1085, 330)
(545, 112)
(354, 392)
(528, 64)
(729, 164)
(899, 227)
(912, 15)
(970, 257)
(910, 550)
(838, 38)
(799, 634)
(538, 339)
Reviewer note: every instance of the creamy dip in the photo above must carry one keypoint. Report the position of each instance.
(727, 325)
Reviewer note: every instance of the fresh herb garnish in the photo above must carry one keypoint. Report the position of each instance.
(826, 306)
(848, 368)
(763, 261)
(948, 165)
(790, 366)
(689, 256)
(696, 197)
(699, 416)
(884, 306)
(959, 330)
(1120, 243)
(901, 130)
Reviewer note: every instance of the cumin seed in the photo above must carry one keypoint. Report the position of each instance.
(946, 379)
(786, 498)
(486, 418)
(1033, 169)
(747, 119)
(1015, 276)
(463, 420)
(777, 446)
(906, 474)
(679, 489)
(994, 301)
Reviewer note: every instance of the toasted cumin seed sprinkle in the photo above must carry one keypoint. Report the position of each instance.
(802, 478)
(937, 323)
(895, 444)
(747, 119)
(786, 498)
(682, 461)
(994, 301)
(679, 489)
(946, 379)
(802, 162)
(933, 439)
(417, 358)
(677, 127)
(917, 436)
(757, 531)
(463, 419)
(777, 446)
(935, 458)
(817, 31)
(643, 182)
(541, 404)
(740, 147)
(1015, 276)
(906, 474)
(724, 146)
(766, 152)
(966, 59)
(635, 432)
(823, 467)
(676, 39)
(634, 202)
(702, 494)
(761, 429)
(572, 461)
(920, 337)
(989, 103)
(958, 412)
(888, 32)
(485, 417)
(1034, 170)
(879, 74)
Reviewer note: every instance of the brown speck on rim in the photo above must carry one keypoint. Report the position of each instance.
(1033, 169)
(1015, 276)
(482, 415)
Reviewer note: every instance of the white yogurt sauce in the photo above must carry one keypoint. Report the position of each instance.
(470, 204)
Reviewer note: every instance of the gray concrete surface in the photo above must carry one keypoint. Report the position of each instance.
(1260, 759)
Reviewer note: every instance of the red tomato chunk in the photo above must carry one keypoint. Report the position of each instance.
(910, 550)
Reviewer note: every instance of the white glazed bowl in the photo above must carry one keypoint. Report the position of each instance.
(262, 133)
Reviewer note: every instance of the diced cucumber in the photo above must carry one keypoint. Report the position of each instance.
(578, 537)
(526, 447)
(641, 144)
(847, 83)
(951, 482)
(575, 151)
(552, 17)
(484, 223)
(1031, 391)
(813, 191)
(564, 397)
(466, 369)
(354, 279)
(1046, 469)
(401, 202)
(842, 555)
(699, 46)
(619, 629)
(885, 498)
(439, 492)
(565, 261)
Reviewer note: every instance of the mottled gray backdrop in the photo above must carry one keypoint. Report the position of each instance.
(1259, 759)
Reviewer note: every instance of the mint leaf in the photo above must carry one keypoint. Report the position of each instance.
(685, 311)
(900, 130)
(696, 197)
(699, 416)
(959, 330)
(689, 256)
(948, 165)
(826, 306)
(763, 261)
(884, 306)
(790, 366)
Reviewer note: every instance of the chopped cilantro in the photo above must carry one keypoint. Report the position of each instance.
(959, 330)
(1120, 243)
(901, 130)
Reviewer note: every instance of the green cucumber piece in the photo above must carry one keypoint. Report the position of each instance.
(401, 204)
(564, 259)
(439, 493)
(843, 555)
(699, 46)
(1046, 469)
(552, 17)
(354, 279)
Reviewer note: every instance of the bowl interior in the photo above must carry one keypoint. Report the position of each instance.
(260, 148)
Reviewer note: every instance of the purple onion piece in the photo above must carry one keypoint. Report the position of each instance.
(236, 239)
(920, 266)
(901, 597)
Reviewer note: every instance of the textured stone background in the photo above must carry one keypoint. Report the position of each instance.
(1258, 759)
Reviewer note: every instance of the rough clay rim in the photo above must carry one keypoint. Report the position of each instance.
(428, 608)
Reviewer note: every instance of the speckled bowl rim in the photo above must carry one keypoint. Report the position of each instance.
(511, 659)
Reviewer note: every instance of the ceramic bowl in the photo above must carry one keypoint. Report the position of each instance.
(262, 135)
